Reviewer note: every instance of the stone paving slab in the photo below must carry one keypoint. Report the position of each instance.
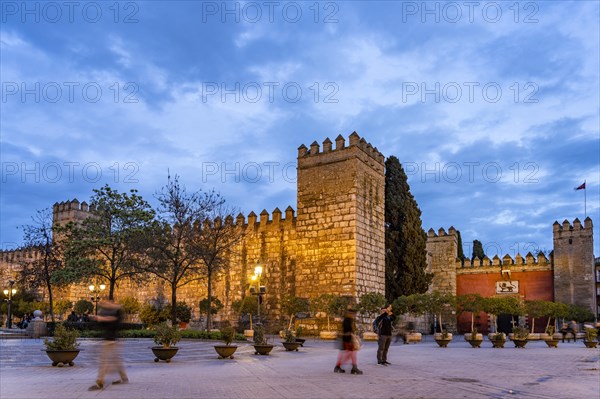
(418, 371)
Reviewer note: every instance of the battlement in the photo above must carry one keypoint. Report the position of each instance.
(576, 229)
(265, 222)
(529, 261)
(441, 232)
(20, 254)
(67, 206)
(340, 152)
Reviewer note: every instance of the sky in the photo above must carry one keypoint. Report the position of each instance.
(491, 107)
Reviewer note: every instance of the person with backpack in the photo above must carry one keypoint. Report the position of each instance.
(383, 327)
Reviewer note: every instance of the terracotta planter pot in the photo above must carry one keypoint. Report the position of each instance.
(225, 351)
(162, 353)
(263, 349)
(291, 346)
(329, 335)
(63, 357)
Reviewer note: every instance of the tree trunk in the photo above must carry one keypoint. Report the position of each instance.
(174, 304)
(208, 290)
(51, 306)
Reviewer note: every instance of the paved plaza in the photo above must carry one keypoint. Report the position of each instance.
(418, 371)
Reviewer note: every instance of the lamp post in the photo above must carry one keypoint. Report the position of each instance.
(260, 290)
(9, 292)
(96, 290)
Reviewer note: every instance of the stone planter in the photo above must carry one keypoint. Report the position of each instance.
(552, 343)
(225, 351)
(533, 336)
(291, 346)
(62, 357)
(442, 341)
(370, 336)
(476, 341)
(519, 342)
(590, 344)
(249, 334)
(329, 335)
(301, 341)
(497, 340)
(162, 353)
(413, 337)
(262, 349)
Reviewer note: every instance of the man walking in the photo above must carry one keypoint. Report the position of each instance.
(109, 319)
(384, 330)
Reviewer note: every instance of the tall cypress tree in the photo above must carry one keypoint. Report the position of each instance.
(461, 253)
(477, 250)
(405, 262)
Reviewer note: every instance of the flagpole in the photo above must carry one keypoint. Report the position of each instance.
(584, 200)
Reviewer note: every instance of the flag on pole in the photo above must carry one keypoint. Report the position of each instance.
(582, 187)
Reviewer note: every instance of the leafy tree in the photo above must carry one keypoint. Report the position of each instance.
(182, 310)
(580, 314)
(439, 303)
(215, 306)
(83, 306)
(370, 304)
(172, 248)
(153, 314)
(42, 270)
(103, 245)
(247, 305)
(414, 305)
(330, 304)
(477, 250)
(292, 304)
(405, 262)
(472, 303)
(536, 309)
(130, 305)
(62, 306)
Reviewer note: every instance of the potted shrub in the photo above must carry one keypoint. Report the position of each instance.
(292, 305)
(438, 303)
(166, 336)
(368, 306)
(494, 306)
(261, 346)
(590, 337)
(520, 335)
(472, 303)
(549, 338)
(290, 342)
(62, 349)
(248, 305)
(331, 305)
(414, 305)
(535, 309)
(227, 350)
(298, 335)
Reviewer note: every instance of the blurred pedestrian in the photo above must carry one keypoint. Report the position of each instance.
(110, 316)
(350, 344)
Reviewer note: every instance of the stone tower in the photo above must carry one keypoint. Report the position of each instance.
(574, 263)
(442, 253)
(340, 219)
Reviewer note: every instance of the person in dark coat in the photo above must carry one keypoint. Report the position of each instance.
(384, 330)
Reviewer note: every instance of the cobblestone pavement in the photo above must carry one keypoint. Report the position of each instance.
(418, 371)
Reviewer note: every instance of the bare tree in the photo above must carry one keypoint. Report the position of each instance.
(48, 261)
(215, 240)
(171, 250)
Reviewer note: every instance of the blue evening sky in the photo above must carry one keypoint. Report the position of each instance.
(492, 107)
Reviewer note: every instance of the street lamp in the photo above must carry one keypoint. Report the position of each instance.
(96, 290)
(9, 292)
(260, 290)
